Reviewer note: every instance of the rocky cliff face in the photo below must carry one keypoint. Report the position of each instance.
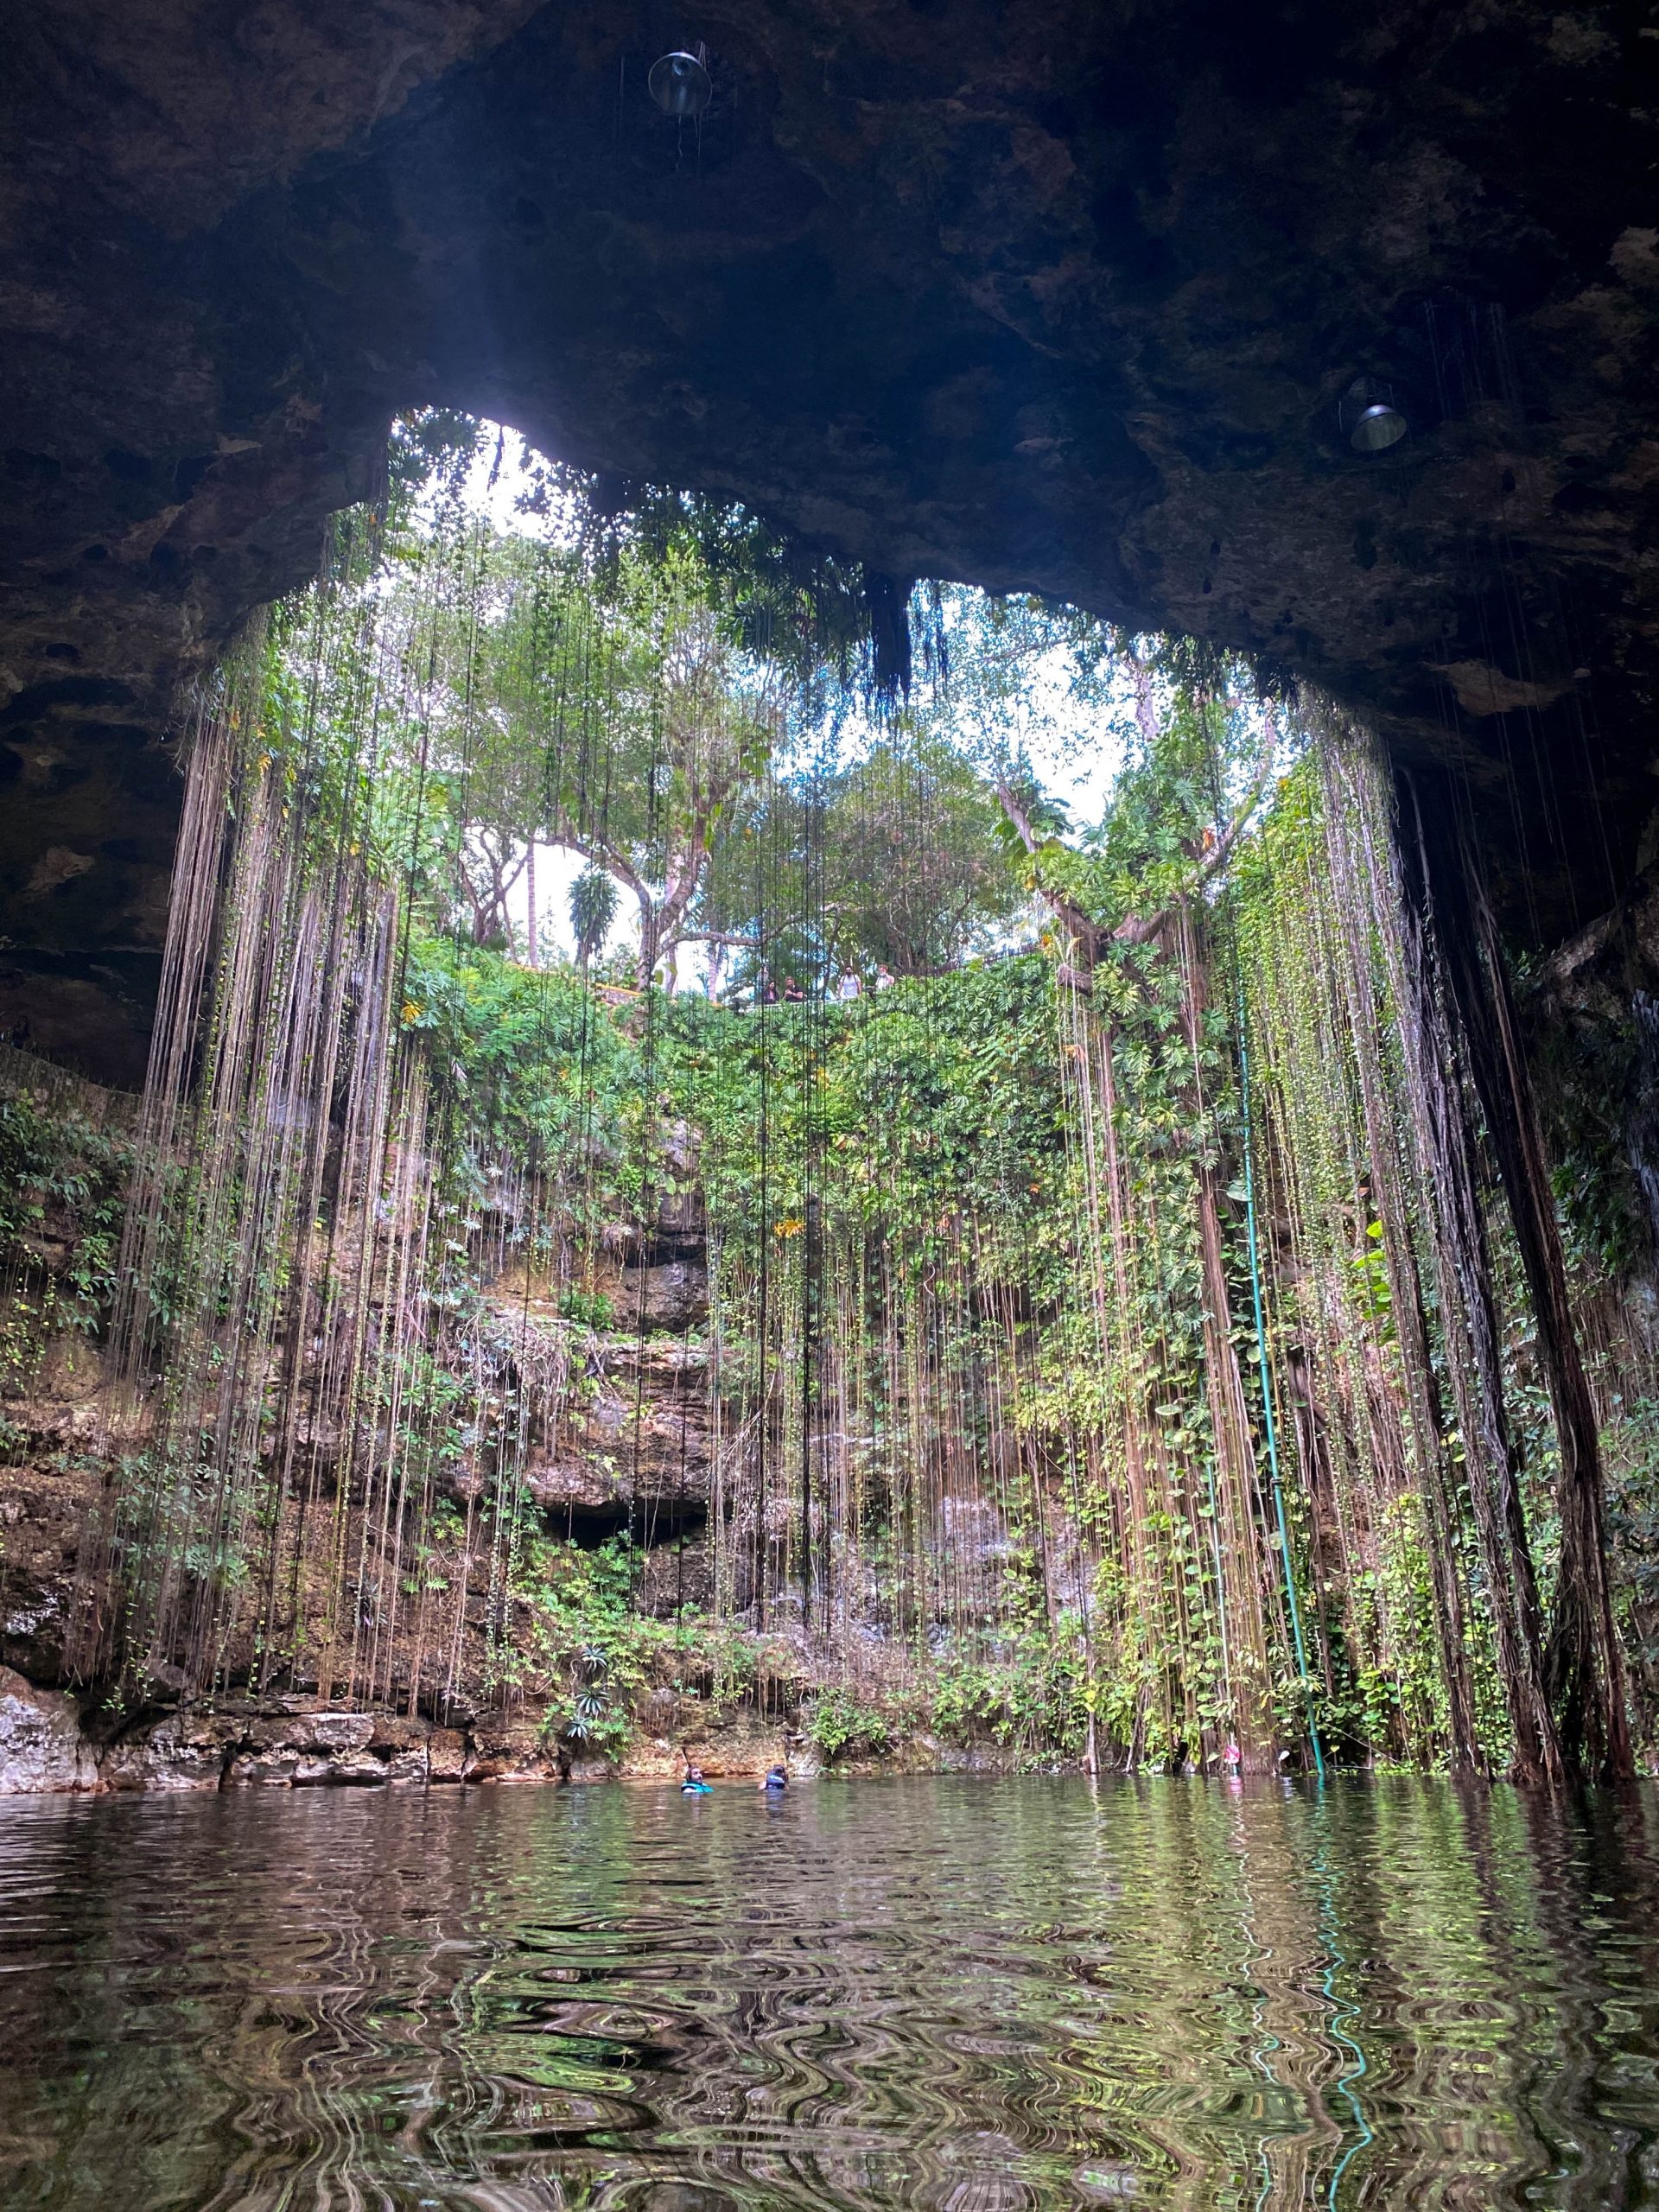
(51, 1744)
(625, 1451)
(1063, 296)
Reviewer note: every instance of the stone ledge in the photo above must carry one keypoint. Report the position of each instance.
(43, 1749)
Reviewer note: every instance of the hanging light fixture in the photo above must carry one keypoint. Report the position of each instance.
(1369, 416)
(680, 84)
(1379, 427)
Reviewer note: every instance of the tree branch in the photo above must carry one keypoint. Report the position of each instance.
(1141, 928)
(721, 937)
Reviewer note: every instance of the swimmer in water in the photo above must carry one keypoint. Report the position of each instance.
(694, 1785)
(777, 1780)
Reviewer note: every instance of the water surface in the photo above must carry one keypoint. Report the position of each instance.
(939, 1993)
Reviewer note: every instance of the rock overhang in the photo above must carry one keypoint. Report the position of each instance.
(1061, 297)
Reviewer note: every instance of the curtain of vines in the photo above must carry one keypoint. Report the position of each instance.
(1112, 1345)
(307, 1375)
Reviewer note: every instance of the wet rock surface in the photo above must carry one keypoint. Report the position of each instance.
(49, 1743)
(639, 1461)
(41, 1746)
(49, 1746)
(1059, 295)
(45, 1512)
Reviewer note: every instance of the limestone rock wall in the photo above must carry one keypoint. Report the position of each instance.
(50, 1744)
(631, 1455)
(42, 1748)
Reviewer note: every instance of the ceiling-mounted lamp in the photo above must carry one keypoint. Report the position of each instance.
(1379, 426)
(1369, 416)
(680, 84)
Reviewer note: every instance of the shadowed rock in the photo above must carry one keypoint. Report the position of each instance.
(1059, 295)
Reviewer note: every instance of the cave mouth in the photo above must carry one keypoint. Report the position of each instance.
(1032, 304)
(718, 1119)
(935, 1067)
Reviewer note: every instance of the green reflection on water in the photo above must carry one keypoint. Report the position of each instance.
(940, 1993)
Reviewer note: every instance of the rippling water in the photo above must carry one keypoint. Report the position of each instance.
(939, 1993)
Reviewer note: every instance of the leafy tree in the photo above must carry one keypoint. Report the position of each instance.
(1175, 821)
(615, 714)
(916, 875)
(594, 902)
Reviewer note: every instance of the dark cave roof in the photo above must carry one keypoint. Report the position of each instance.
(1052, 296)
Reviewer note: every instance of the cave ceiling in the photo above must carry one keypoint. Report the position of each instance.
(1048, 295)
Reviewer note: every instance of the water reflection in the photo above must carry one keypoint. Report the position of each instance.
(967, 1997)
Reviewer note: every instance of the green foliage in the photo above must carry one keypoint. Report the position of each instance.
(1181, 785)
(594, 902)
(836, 1722)
(594, 1720)
(589, 1309)
(893, 860)
(1630, 1442)
(586, 1642)
(62, 1198)
(932, 1099)
(530, 1060)
(1591, 1065)
(780, 599)
(1033, 1698)
(432, 448)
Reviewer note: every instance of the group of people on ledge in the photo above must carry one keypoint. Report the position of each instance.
(849, 984)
